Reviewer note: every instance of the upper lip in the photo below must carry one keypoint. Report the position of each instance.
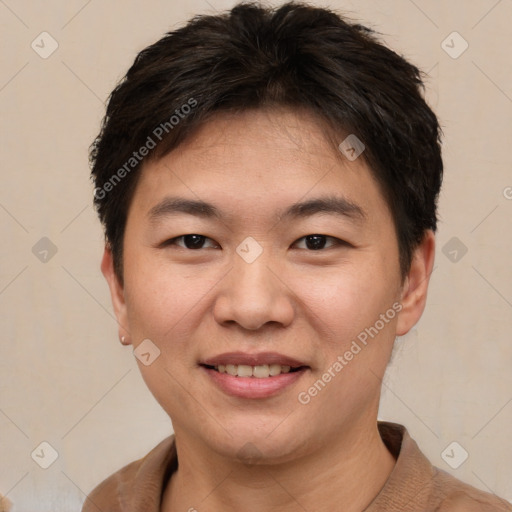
(253, 359)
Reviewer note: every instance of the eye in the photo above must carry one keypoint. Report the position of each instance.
(317, 242)
(191, 241)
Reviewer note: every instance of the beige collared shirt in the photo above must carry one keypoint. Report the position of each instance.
(413, 486)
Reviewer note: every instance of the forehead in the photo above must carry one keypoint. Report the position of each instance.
(277, 133)
(255, 160)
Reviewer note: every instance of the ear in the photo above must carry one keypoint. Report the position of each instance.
(116, 294)
(414, 289)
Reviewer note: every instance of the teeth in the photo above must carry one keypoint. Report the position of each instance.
(260, 372)
(231, 369)
(275, 369)
(244, 370)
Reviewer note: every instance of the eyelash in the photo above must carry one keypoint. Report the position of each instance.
(336, 241)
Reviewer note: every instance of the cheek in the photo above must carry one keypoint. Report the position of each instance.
(345, 301)
(162, 300)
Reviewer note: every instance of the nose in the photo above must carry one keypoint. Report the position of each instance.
(254, 294)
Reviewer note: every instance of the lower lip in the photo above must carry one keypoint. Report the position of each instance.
(253, 387)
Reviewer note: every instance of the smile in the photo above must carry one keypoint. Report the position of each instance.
(262, 371)
(253, 376)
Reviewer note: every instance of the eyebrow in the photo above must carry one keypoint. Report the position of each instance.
(330, 205)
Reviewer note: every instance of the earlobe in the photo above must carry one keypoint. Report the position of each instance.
(414, 290)
(116, 294)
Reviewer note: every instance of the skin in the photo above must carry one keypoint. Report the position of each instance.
(307, 304)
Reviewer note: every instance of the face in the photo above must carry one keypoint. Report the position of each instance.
(259, 250)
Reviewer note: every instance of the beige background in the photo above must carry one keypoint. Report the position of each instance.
(64, 377)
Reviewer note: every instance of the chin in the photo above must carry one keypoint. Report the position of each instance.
(254, 445)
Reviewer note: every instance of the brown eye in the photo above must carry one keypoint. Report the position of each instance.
(194, 241)
(191, 241)
(318, 242)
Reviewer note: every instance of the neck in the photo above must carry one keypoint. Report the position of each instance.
(352, 470)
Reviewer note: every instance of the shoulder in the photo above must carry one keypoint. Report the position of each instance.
(414, 480)
(457, 496)
(108, 494)
(138, 484)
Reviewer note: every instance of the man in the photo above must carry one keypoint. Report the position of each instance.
(268, 182)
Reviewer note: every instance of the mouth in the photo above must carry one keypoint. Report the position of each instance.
(262, 375)
(261, 371)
